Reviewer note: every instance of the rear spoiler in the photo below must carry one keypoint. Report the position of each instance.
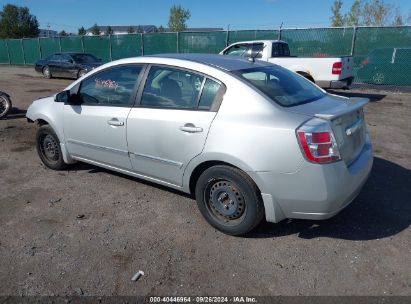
(351, 105)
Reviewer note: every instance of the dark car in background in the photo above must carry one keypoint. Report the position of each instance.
(72, 65)
(386, 66)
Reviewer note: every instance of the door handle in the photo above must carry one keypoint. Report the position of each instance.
(115, 122)
(191, 128)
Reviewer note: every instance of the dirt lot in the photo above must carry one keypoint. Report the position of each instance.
(131, 225)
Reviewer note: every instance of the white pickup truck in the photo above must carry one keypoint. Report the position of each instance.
(326, 72)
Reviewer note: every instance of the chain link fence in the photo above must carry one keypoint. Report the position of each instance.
(382, 55)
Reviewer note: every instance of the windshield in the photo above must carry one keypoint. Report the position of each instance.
(84, 58)
(280, 85)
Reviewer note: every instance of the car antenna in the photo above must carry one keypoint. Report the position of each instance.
(252, 58)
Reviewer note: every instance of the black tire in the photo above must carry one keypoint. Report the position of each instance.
(48, 148)
(46, 72)
(5, 105)
(81, 73)
(229, 200)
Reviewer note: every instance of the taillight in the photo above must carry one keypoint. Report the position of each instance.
(317, 142)
(337, 68)
(365, 61)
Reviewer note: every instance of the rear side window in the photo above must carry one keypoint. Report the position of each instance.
(172, 88)
(111, 87)
(55, 57)
(280, 85)
(212, 90)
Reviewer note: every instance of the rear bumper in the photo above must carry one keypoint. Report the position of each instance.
(336, 84)
(315, 191)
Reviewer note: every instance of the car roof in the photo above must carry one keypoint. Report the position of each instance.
(227, 63)
(260, 41)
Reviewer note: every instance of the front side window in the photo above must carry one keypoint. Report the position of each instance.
(280, 85)
(112, 87)
(172, 88)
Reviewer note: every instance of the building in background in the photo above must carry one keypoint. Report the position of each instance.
(47, 33)
(122, 29)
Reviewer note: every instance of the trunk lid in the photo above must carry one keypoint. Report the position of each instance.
(346, 117)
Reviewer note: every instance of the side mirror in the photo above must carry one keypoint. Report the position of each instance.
(62, 97)
(67, 98)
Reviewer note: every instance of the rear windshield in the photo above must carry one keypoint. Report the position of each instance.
(280, 85)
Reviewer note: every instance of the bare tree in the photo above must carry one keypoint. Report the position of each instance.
(354, 15)
(337, 18)
(376, 13)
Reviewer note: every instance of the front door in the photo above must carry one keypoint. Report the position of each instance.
(95, 130)
(171, 123)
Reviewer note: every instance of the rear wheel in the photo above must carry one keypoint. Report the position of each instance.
(229, 200)
(46, 72)
(378, 77)
(81, 73)
(48, 148)
(5, 105)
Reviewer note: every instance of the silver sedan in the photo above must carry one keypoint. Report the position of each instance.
(250, 140)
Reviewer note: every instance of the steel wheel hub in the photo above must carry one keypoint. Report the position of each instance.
(226, 200)
(49, 148)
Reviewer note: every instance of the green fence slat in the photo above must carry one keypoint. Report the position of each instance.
(160, 43)
(123, 46)
(31, 50)
(383, 55)
(16, 52)
(237, 36)
(201, 42)
(4, 58)
(49, 46)
(98, 46)
(71, 44)
(319, 42)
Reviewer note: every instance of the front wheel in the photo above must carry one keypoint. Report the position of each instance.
(5, 105)
(48, 148)
(229, 200)
(47, 72)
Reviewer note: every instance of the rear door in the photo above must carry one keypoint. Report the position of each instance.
(95, 130)
(68, 68)
(54, 65)
(171, 123)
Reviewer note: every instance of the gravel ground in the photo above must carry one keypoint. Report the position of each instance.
(86, 231)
